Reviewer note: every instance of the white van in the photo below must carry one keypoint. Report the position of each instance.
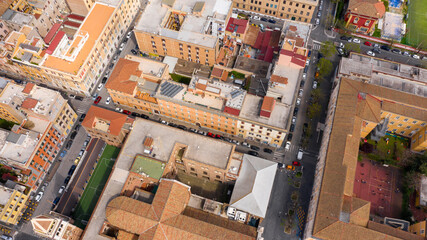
(300, 154)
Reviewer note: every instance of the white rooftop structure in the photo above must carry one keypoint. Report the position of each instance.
(17, 148)
(148, 66)
(5, 194)
(203, 23)
(253, 186)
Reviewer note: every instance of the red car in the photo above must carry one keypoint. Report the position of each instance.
(126, 112)
(296, 163)
(368, 43)
(211, 135)
(97, 100)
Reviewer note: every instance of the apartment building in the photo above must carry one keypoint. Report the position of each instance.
(133, 81)
(189, 30)
(363, 15)
(13, 199)
(55, 227)
(32, 146)
(74, 64)
(296, 10)
(111, 127)
(402, 77)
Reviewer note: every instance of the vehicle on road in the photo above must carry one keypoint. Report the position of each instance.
(268, 150)
(82, 117)
(73, 135)
(415, 56)
(122, 46)
(296, 163)
(108, 100)
(100, 86)
(405, 53)
(314, 84)
(67, 180)
(61, 190)
(264, 19)
(134, 52)
(292, 128)
(253, 147)
(356, 40)
(376, 50)
(290, 167)
(317, 21)
(129, 34)
(370, 53)
(126, 112)
(298, 102)
(300, 154)
(271, 21)
(367, 43)
(55, 202)
(72, 169)
(394, 50)
(68, 145)
(38, 197)
(288, 145)
(300, 93)
(290, 137)
(97, 100)
(340, 51)
(256, 18)
(253, 153)
(385, 47)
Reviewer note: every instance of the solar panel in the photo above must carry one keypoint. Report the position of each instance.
(175, 92)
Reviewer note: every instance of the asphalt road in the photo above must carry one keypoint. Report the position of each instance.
(74, 190)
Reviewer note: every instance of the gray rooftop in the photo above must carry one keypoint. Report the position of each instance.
(401, 77)
(194, 28)
(17, 17)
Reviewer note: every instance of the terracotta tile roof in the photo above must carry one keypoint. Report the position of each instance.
(217, 72)
(168, 218)
(356, 101)
(119, 79)
(279, 79)
(55, 42)
(370, 8)
(29, 103)
(268, 104)
(52, 33)
(28, 88)
(251, 35)
(116, 120)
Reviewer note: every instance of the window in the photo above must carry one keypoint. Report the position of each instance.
(356, 19)
(218, 176)
(405, 120)
(204, 172)
(192, 169)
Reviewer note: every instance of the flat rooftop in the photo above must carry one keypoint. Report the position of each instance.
(12, 93)
(72, 56)
(164, 138)
(148, 166)
(148, 66)
(5, 194)
(397, 76)
(287, 92)
(297, 30)
(252, 106)
(18, 148)
(193, 28)
(17, 17)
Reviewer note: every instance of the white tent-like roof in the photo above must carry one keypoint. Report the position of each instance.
(253, 186)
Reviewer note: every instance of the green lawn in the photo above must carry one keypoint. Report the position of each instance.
(95, 186)
(180, 78)
(417, 22)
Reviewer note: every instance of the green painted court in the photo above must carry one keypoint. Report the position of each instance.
(95, 186)
(417, 22)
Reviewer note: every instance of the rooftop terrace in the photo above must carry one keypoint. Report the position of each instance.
(198, 22)
(17, 148)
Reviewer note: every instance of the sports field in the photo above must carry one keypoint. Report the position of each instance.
(95, 186)
(417, 22)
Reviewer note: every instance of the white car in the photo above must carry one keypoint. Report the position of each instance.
(294, 120)
(115, 59)
(39, 197)
(370, 53)
(61, 190)
(129, 34)
(317, 21)
(320, 7)
(288, 145)
(256, 18)
(406, 54)
(119, 110)
(304, 76)
(416, 56)
(108, 100)
(340, 51)
(100, 86)
(308, 61)
(356, 40)
(246, 144)
(122, 46)
(300, 92)
(314, 84)
(298, 101)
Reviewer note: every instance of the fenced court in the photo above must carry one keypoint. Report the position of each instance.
(417, 22)
(378, 184)
(95, 186)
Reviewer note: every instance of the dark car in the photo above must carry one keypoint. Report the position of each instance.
(135, 114)
(306, 69)
(292, 128)
(73, 135)
(376, 50)
(82, 117)
(67, 180)
(97, 100)
(304, 128)
(79, 98)
(72, 169)
(104, 80)
(144, 116)
(134, 52)
(264, 19)
(302, 83)
(253, 147)
(268, 150)
(68, 145)
(182, 127)
(126, 112)
(55, 202)
(111, 66)
(295, 111)
(77, 127)
(394, 50)
(344, 38)
(172, 124)
(290, 137)
(253, 153)
(271, 21)
(385, 47)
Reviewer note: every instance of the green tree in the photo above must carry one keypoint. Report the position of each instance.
(327, 49)
(317, 95)
(325, 67)
(314, 110)
(352, 47)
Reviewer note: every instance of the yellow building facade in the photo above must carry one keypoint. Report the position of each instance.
(16, 204)
(419, 228)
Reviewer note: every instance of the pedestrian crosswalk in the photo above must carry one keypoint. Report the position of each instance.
(279, 155)
(316, 46)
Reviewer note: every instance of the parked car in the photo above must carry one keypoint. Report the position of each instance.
(67, 180)
(292, 128)
(126, 112)
(368, 43)
(61, 190)
(72, 169)
(300, 92)
(290, 137)
(290, 167)
(253, 147)
(121, 47)
(100, 86)
(246, 144)
(298, 102)
(344, 38)
(256, 18)
(253, 153)
(264, 19)
(288, 145)
(145, 116)
(356, 40)
(211, 135)
(38, 197)
(79, 98)
(376, 50)
(302, 83)
(55, 202)
(81, 152)
(73, 135)
(295, 111)
(104, 80)
(370, 53)
(182, 127)
(129, 34)
(294, 119)
(218, 136)
(319, 14)
(415, 56)
(134, 52)
(271, 21)
(405, 53)
(340, 51)
(296, 163)
(82, 117)
(314, 84)
(97, 100)
(268, 150)
(68, 145)
(119, 110)
(77, 127)
(394, 50)
(385, 47)
(376, 45)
